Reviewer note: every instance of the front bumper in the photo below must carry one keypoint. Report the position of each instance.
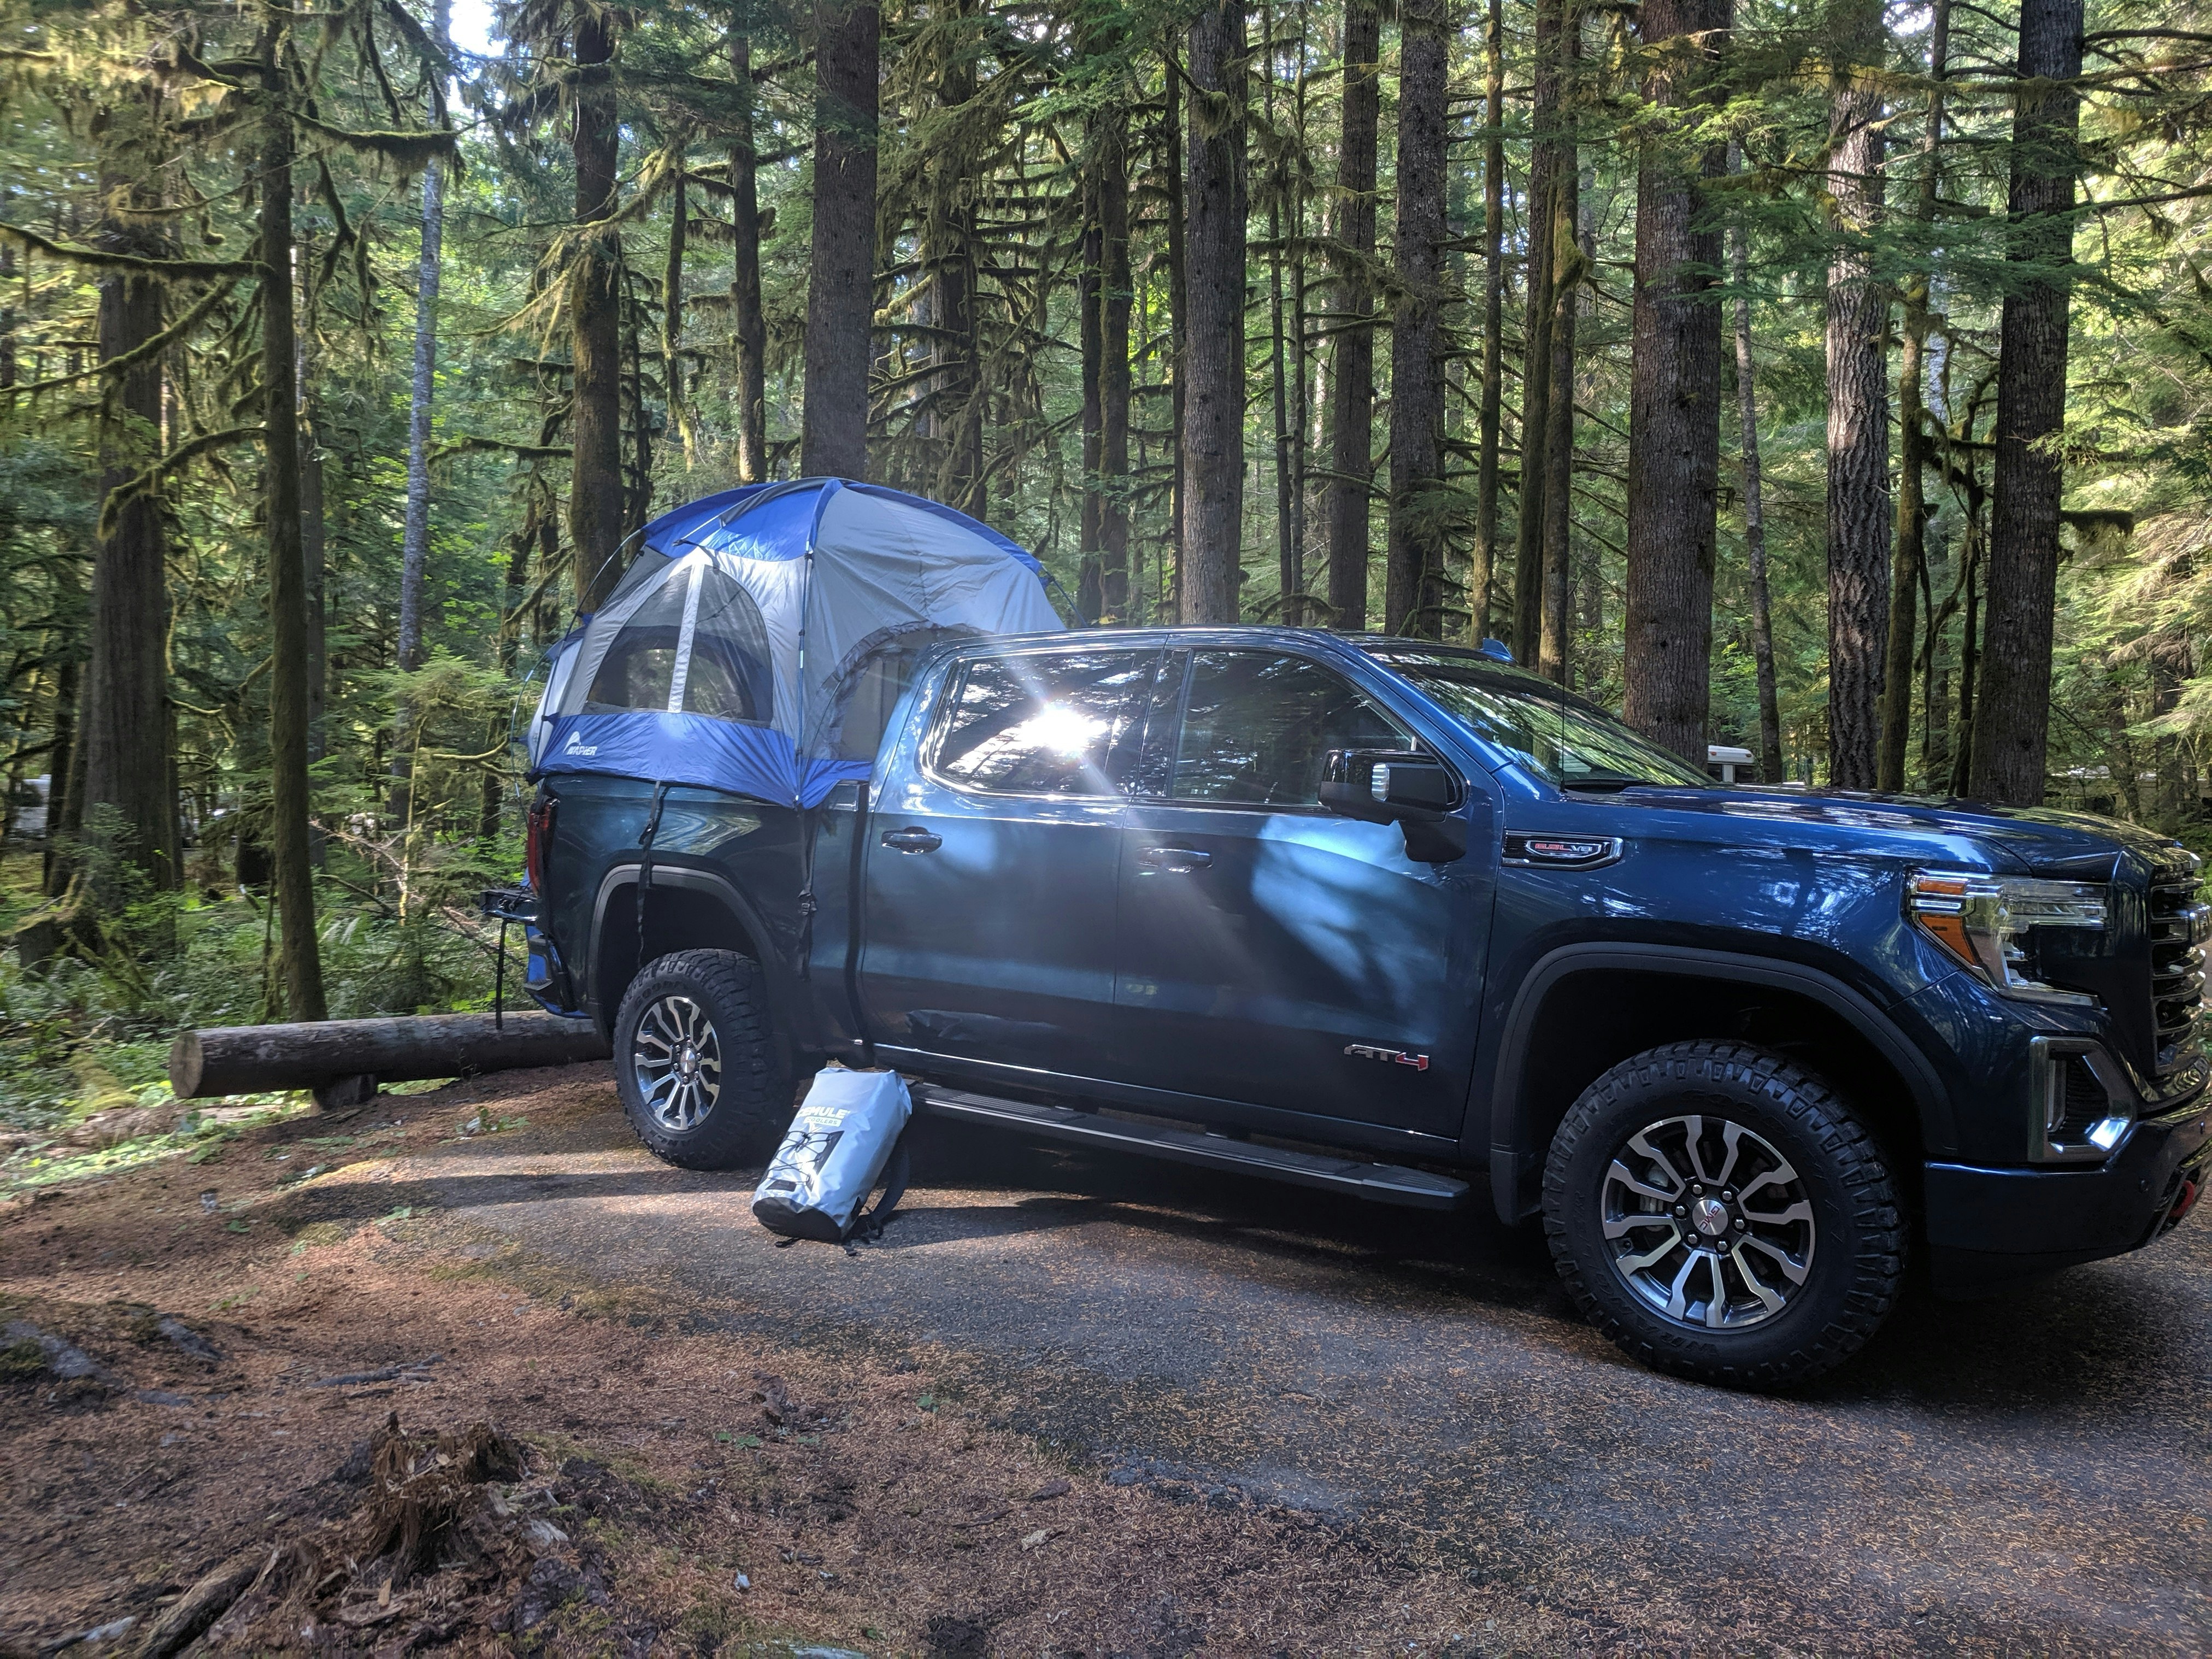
(1988, 1228)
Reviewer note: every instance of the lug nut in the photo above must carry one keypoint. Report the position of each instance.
(1681, 1209)
(1728, 1195)
(1696, 1191)
(1741, 1224)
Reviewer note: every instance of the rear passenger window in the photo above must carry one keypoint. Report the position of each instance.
(1257, 727)
(1056, 724)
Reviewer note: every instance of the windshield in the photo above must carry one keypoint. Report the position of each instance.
(1574, 744)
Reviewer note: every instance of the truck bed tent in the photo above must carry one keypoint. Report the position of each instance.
(762, 636)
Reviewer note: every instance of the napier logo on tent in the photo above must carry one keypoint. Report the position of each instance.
(578, 746)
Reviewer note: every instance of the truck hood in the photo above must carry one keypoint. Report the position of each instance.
(2015, 840)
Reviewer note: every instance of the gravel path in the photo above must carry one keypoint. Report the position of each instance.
(2025, 1474)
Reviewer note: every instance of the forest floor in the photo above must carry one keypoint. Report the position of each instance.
(1067, 1405)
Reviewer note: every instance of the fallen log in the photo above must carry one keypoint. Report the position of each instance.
(343, 1060)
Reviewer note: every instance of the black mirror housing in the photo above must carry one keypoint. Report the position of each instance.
(1414, 790)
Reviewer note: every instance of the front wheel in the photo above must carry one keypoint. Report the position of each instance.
(1720, 1215)
(696, 1063)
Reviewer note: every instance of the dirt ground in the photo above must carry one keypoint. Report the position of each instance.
(1068, 1404)
(240, 1333)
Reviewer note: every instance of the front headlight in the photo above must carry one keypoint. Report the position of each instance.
(1982, 920)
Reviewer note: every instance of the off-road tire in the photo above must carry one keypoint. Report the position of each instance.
(756, 1085)
(1856, 1266)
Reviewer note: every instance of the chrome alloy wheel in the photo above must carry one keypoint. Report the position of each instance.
(1707, 1222)
(678, 1061)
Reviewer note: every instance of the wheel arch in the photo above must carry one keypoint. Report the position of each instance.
(1549, 1052)
(714, 916)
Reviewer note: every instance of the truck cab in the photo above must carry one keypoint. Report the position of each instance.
(1395, 919)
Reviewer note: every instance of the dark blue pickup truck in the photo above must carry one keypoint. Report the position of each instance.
(1396, 920)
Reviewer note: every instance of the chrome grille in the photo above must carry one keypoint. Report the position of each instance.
(2178, 927)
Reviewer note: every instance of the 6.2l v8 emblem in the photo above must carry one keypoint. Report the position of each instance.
(1395, 1056)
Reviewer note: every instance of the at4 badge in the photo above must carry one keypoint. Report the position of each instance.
(1394, 1056)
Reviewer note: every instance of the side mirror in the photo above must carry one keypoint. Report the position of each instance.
(1414, 790)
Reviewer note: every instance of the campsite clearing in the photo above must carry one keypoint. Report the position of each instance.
(1283, 1421)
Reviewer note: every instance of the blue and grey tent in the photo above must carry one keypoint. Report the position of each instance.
(761, 638)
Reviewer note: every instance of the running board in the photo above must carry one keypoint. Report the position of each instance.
(1384, 1183)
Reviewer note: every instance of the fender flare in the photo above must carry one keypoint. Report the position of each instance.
(717, 887)
(1508, 1129)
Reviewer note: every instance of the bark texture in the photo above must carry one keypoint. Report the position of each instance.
(1483, 566)
(840, 285)
(1674, 390)
(595, 498)
(749, 325)
(1908, 556)
(128, 813)
(1755, 516)
(672, 319)
(415, 538)
(299, 951)
(1414, 590)
(1858, 408)
(1116, 295)
(1353, 379)
(1570, 266)
(1215, 207)
(1549, 157)
(2012, 705)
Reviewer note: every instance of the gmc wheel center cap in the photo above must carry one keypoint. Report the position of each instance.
(687, 1061)
(1711, 1216)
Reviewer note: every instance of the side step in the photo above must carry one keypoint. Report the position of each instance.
(1385, 1183)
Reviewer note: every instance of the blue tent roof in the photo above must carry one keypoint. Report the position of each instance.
(732, 651)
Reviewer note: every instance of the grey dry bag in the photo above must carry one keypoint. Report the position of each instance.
(842, 1144)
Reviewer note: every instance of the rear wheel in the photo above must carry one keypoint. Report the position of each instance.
(696, 1063)
(1720, 1213)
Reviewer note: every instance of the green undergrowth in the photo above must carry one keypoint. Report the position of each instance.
(88, 1031)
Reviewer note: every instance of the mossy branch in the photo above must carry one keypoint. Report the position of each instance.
(144, 352)
(101, 259)
(146, 482)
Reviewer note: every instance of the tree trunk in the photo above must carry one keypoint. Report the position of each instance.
(1353, 424)
(949, 259)
(1858, 410)
(637, 475)
(671, 320)
(595, 498)
(1909, 559)
(64, 781)
(1547, 162)
(840, 285)
(1415, 564)
(1091, 570)
(1287, 574)
(1116, 295)
(1485, 564)
(1569, 268)
(1214, 241)
(414, 539)
(1970, 630)
(238, 1060)
(126, 810)
(1178, 327)
(1674, 389)
(749, 325)
(2012, 708)
(1754, 511)
(299, 950)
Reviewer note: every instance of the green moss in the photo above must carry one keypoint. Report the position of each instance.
(21, 1361)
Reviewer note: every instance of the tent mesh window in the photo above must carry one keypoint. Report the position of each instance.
(696, 647)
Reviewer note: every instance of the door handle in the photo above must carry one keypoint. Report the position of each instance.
(912, 840)
(1176, 860)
